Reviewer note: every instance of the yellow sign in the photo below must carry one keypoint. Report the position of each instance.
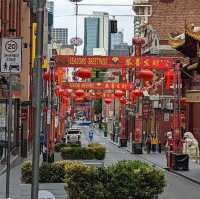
(33, 50)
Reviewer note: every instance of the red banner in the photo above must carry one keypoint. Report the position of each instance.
(115, 61)
(97, 86)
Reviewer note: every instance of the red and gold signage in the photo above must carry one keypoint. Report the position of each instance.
(115, 61)
(97, 85)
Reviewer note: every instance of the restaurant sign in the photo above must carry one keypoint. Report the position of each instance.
(150, 62)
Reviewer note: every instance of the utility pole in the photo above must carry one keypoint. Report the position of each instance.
(38, 69)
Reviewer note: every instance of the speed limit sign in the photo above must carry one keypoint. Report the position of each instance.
(11, 55)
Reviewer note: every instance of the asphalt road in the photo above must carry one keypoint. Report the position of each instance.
(177, 187)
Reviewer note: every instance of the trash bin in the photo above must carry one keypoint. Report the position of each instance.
(123, 142)
(137, 148)
(180, 162)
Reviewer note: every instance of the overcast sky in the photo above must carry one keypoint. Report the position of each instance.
(65, 7)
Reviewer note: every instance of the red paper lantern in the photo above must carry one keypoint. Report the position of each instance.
(83, 73)
(136, 93)
(119, 93)
(169, 77)
(108, 100)
(65, 100)
(66, 93)
(46, 76)
(122, 100)
(146, 75)
(184, 100)
(111, 78)
(79, 99)
(116, 73)
(57, 90)
(60, 92)
(138, 40)
(60, 71)
(79, 93)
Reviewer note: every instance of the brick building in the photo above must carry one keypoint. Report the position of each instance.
(169, 17)
(17, 25)
(158, 18)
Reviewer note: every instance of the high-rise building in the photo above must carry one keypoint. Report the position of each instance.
(116, 39)
(97, 33)
(91, 35)
(104, 32)
(60, 35)
(121, 49)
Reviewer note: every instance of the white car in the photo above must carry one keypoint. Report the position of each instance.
(73, 136)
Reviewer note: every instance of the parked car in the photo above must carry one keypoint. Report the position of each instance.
(73, 135)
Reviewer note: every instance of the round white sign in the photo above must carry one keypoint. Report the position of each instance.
(43, 194)
(76, 41)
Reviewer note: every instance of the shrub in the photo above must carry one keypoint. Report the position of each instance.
(52, 173)
(100, 153)
(94, 145)
(126, 179)
(59, 146)
(26, 172)
(83, 182)
(99, 150)
(77, 153)
(135, 179)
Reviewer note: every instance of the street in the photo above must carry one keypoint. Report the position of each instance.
(177, 187)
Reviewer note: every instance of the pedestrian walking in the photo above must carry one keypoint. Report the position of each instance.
(154, 142)
(41, 141)
(148, 143)
(159, 146)
(91, 135)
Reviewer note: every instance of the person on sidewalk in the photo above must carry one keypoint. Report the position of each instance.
(159, 146)
(91, 135)
(148, 143)
(42, 137)
(154, 142)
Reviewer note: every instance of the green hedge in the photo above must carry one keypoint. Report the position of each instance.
(59, 146)
(49, 172)
(93, 151)
(126, 179)
(123, 180)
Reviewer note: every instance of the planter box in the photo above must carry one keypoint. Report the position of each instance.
(97, 163)
(57, 189)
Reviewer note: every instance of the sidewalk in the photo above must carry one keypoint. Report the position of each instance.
(159, 160)
(3, 165)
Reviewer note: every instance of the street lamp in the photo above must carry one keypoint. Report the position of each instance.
(76, 13)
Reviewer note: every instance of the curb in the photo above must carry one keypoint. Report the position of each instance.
(3, 170)
(116, 144)
(186, 177)
(196, 181)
